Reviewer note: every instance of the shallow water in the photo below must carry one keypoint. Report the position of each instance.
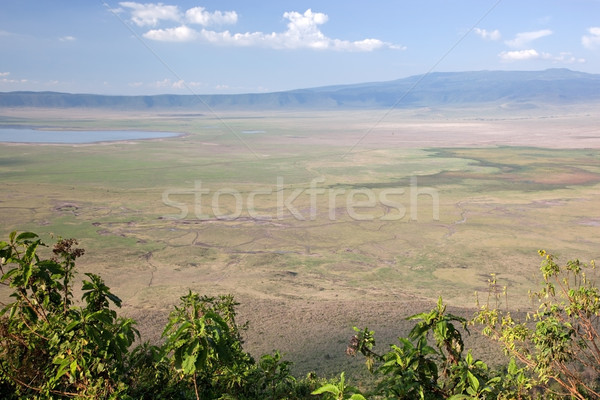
(28, 135)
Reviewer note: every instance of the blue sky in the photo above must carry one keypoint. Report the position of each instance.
(244, 47)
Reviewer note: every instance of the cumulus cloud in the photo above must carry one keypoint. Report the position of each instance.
(199, 15)
(150, 14)
(532, 54)
(519, 55)
(303, 29)
(179, 34)
(4, 73)
(592, 40)
(67, 39)
(302, 32)
(522, 39)
(488, 35)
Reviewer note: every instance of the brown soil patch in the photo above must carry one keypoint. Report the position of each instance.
(574, 177)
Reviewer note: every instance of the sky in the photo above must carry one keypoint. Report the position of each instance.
(241, 46)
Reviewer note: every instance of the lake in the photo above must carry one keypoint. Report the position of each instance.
(29, 135)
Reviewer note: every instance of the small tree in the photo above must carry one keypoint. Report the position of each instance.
(48, 346)
(559, 344)
(203, 343)
(416, 370)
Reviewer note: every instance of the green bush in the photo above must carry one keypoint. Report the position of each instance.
(51, 347)
(559, 344)
(54, 347)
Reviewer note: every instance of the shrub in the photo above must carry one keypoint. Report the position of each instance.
(50, 347)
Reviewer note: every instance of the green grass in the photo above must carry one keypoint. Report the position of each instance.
(498, 206)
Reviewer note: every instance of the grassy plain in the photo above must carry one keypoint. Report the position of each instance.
(306, 268)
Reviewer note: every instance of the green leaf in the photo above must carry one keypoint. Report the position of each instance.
(329, 388)
(202, 357)
(473, 381)
(469, 358)
(178, 357)
(31, 249)
(52, 266)
(25, 236)
(27, 271)
(494, 380)
(512, 367)
(115, 299)
(189, 364)
(63, 366)
(9, 274)
(101, 316)
(74, 367)
(418, 316)
(442, 329)
(71, 325)
(181, 329)
(357, 396)
(459, 397)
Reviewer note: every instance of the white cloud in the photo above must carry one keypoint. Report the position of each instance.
(199, 15)
(302, 32)
(179, 34)
(567, 58)
(5, 80)
(168, 84)
(67, 39)
(225, 37)
(164, 83)
(180, 84)
(150, 14)
(520, 55)
(592, 40)
(524, 38)
(532, 54)
(488, 35)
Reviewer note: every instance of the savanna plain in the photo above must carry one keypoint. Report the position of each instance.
(317, 221)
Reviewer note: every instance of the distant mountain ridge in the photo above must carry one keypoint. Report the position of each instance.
(552, 86)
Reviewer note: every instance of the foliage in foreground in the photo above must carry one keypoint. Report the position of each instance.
(559, 344)
(54, 347)
(50, 347)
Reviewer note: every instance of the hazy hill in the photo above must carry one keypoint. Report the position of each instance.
(525, 88)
